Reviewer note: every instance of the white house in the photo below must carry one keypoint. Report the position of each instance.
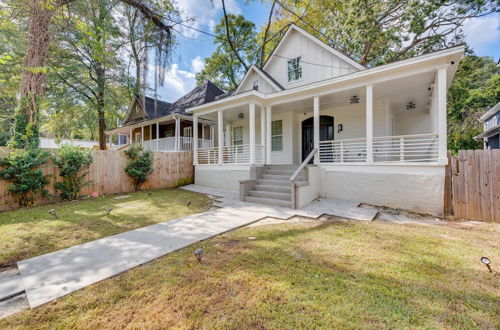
(491, 126)
(374, 135)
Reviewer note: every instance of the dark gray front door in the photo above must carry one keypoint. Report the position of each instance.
(325, 133)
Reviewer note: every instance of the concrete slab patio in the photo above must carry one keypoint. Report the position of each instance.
(53, 275)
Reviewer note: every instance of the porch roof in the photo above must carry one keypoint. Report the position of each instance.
(423, 63)
(126, 129)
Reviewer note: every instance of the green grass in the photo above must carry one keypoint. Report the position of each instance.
(305, 275)
(29, 232)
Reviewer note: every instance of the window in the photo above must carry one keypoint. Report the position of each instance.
(188, 132)
(168, 134)
(238, 135)
(137, 137)
(255, 85)
(294, 69)
(277, 135)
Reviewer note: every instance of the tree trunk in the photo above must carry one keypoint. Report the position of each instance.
(25, 130)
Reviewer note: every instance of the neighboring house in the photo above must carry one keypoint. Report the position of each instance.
(376, 135)
(491, 134)
(162, 126)
(53, 143)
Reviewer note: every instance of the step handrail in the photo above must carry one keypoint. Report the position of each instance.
(304, 163)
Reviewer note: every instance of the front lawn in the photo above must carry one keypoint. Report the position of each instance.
(300, 275)
(29, 232)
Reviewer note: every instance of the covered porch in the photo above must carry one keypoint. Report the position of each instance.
(399, 121)
(171, 133)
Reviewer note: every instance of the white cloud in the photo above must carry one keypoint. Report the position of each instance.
(205, 15)
(177, 83)
(483, 33)
(197, 64)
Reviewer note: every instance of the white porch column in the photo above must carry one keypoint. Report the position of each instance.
(212, 132)
(177, 133)
(269, 118)
(316, 127)
(195, 140)
(263, 130)
(142, 135)
(131, 138)
(251, 112)
(441, 109)
(157, 136)
(369, 124)
(110, 138)
(220, 137)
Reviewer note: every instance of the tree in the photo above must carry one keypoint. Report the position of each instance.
(32, 89)
(475, 89)
(224, 67)
(375, 32)
(84, 56)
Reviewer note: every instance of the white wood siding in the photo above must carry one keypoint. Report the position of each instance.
(296, 45)
(264, 86)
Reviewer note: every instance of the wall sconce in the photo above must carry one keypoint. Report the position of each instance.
(241, 115)
(354, 99)
(340, 128)
(411, 105)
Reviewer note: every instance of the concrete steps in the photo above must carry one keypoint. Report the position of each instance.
(273, 186)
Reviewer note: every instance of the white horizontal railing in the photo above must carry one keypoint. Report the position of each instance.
(400, 148)
(342, 151)
(406, 148)
(168, 144)
(235, 154)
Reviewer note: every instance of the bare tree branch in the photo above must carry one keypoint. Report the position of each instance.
(228, 35)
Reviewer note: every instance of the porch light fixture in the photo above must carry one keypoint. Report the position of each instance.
(486, 261)
(241, 115)
(340, 128)
(354, 99)
(411, 105)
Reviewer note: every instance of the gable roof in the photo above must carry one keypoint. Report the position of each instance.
(294, 27)
(204, 93)
(490, 112)
(266, 76)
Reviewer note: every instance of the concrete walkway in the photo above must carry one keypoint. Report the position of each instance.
(50, 276)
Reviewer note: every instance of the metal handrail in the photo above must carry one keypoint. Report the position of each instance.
(304, 163)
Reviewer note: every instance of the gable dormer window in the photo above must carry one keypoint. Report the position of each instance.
(255, 85)
(294, 69)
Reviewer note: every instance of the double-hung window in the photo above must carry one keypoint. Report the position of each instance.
(277, 135)
(294, 69)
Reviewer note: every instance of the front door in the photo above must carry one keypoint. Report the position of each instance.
(325, 133)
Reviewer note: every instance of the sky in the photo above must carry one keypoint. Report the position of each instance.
(482, 35)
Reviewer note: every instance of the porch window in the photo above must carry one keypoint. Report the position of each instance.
(137, 137)
(294, 69)
(238, 135)
(277, 135)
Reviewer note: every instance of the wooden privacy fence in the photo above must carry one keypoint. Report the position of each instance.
(171, 169)
(473, 185)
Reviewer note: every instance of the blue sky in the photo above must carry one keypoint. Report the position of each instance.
(483, 35)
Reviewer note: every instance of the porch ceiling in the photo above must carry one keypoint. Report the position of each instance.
(399, 91)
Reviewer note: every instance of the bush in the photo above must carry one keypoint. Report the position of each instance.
(140, 164)
(21, 167)
(73, 163)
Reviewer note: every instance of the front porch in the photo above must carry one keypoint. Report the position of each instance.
(400, 121)
(171, 133)
(382, 143)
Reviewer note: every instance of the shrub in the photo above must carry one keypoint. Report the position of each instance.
(73, 163)
(140, 164)
(21, 167)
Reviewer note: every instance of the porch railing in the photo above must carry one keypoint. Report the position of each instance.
(342, 151)
(235, 154)
(168, 144)
(401, 148)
